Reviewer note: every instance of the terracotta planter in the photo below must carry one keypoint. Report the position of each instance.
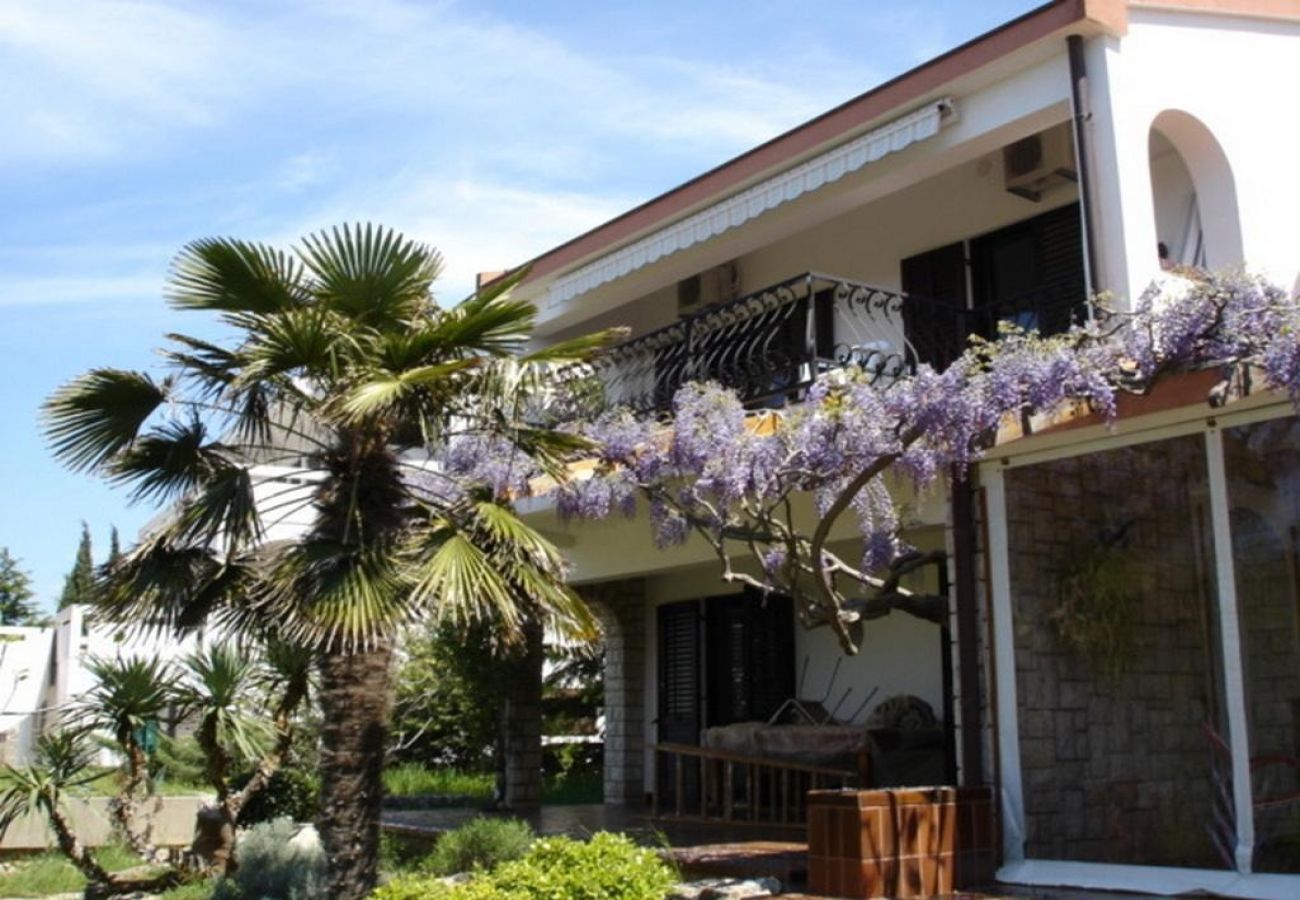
(900, 842)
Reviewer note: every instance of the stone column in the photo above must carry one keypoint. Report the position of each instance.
(522, 724)
(621, 608)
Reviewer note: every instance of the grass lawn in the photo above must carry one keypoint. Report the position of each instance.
(105, 784)
(51, 873)
(415, 780)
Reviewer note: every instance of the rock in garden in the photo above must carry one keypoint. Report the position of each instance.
(726, 889)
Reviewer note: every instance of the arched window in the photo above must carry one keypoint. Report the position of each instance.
(1194, 194)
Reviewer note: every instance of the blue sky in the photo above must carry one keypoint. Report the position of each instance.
(492, 130)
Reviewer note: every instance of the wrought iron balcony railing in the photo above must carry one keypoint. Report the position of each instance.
(770, 346)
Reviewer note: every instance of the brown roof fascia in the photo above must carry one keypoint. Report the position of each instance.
(1109, 15)
(1264, 9)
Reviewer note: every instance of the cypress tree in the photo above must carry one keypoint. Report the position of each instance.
(79, 584)
(16, 607)
(114, 548)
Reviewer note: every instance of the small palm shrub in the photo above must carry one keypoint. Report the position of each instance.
(273, 867)
(481, 843)
(607, 867)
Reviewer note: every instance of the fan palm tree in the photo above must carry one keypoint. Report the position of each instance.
(342, 366)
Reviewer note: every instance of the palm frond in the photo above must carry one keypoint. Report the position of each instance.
(326, 593)
(370, 274)
(164, 588)
(210, 367)
(235, 276)
(219, 687)
(222, 511)
(304, 341)
(128, 696)
(165, 461)
(386, 390)
(499, 328)
(575, 350)
(96, 416)
(458, 582)
(495, 289)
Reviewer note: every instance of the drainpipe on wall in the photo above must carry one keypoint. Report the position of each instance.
(966, 599)
(1082, 106)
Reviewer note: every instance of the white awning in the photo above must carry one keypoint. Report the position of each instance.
(754, 201)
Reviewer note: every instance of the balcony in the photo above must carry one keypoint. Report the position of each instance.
(771, 345)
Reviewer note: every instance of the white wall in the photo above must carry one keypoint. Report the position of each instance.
(24, 660)
(44, 670)
(1006, 101)
(1237, 77)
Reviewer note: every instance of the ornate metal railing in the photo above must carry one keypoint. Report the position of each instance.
(771, 345)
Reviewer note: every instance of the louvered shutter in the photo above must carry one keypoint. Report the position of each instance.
(679, 673)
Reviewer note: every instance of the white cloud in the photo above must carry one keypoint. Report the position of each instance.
(478, 226)
(97, 80)
(123, 76)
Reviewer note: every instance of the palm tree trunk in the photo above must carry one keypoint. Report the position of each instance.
(72, 847)
(355, 704)
(137, 829)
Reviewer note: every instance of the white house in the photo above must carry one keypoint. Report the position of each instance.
(1077, 149)
(44, 670)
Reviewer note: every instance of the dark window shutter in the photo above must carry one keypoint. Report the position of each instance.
(1031, 273)
(679, 673)
(771, 654)
(750, 657)
(935, 285)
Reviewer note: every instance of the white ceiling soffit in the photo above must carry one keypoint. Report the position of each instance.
(754, 201)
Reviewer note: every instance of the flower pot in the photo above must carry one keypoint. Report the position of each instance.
(900, 842)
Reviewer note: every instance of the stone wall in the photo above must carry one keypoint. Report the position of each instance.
(522, 723)
(621, 608)
(1116, 766)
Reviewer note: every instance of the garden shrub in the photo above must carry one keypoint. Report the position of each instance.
(291, 793)
(272, 866)
(607, 867)
(179, 761)
(481, 843)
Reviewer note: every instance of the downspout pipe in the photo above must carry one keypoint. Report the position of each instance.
(1082, 105)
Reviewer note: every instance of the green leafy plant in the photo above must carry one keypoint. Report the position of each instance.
(178, 763)
(1096, 616)
(291, 793)
(480, 844)
(129, 700)
(606, 867)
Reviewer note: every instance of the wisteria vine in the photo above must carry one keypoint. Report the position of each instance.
(733, 476)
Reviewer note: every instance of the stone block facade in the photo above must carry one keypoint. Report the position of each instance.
(522, 724)
(621, 608)
(1116, 765)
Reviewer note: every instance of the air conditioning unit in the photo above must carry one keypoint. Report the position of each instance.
(1034, 164)
(709, 288)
